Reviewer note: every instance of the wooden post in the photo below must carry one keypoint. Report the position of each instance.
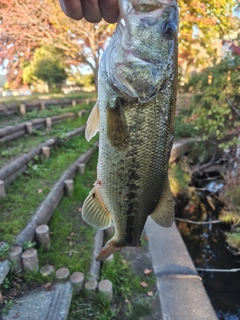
(29, 127)
(77, 279)
(81, 168)
(62, 274)
(49, 123)
(46, 152)
(105, 290)
(2, 189)
(42, 105)
(15, 257)
(42, 236)
(30, 260)
(68, 186)
(22, 108)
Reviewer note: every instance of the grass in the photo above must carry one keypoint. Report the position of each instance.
(44, 96)
(35, 114)
(29, 190)
(131, 301)
(24, 144)
(71, 237)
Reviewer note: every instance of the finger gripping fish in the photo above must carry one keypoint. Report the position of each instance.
(134, 115)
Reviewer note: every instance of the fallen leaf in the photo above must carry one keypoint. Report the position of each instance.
(143, 284)
(126, 300)
(40, 191)
(147, 271)
(47, 285)
(79, 209)
(150, 293)
(146, 238)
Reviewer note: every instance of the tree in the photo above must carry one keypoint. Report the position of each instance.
(201, 24)
(46, 65)
(216, 112)
(27, 24)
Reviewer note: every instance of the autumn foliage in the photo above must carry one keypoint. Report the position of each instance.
(26, 25)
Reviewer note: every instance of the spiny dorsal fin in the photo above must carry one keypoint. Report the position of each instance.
(94, 210)
(164, 212)
(93, 123)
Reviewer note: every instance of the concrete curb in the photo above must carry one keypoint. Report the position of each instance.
(180, 288)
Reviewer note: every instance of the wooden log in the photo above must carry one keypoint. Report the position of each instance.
(13, 136)
(63, 116)
(42, 236)
(74, 132)
(15, 165)
(45, 210)
(10, 179)
(40, 121)
(12, 129)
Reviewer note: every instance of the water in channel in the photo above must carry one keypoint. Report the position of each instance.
(208, 249)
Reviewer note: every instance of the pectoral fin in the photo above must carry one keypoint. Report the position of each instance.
(94, 211)
(117, 130)
(164, 212)
(93, 123)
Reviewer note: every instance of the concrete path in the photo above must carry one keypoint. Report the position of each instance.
(180, 288)
(42, 304)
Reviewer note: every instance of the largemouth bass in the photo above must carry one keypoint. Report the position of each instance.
(134, 115)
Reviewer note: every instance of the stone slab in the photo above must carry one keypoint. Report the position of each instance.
(181, 292)
(169, 253)
(95, 265)
(48, 305)
(4, 269)
(184, 298)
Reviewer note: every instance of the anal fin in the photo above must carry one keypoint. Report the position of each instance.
(164, 212)
(94, 211)
(93, 123)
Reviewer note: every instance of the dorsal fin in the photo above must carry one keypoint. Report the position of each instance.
(93, 123)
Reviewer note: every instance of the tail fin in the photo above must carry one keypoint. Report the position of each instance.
(110, 247)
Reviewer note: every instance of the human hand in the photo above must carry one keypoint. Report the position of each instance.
(91, 10)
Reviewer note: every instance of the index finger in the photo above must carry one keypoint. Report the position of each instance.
(72, 8)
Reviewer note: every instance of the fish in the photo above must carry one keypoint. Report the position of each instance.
(134, 115)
